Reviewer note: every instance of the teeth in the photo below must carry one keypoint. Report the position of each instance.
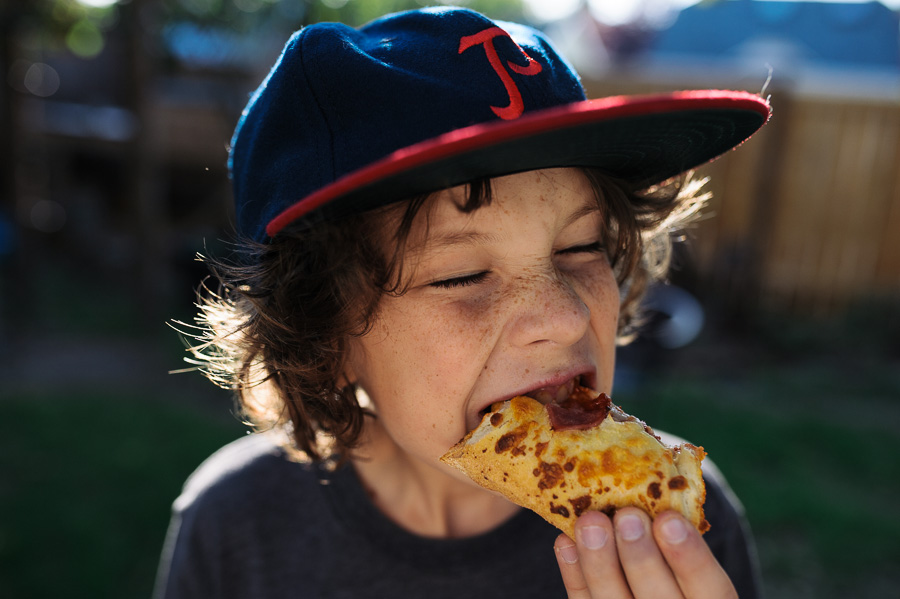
(556, 394)
(562, 393)
(544, 395)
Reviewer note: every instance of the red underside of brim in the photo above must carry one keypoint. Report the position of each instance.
(481, 136)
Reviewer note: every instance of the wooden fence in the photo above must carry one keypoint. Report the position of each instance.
(806, 215)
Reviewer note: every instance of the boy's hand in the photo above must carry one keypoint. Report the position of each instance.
(632, 557)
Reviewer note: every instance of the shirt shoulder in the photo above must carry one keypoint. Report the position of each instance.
(242, 466)
(241, 515)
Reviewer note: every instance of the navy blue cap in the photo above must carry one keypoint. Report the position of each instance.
(351, 119)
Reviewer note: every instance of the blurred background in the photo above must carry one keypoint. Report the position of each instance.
(776, 346)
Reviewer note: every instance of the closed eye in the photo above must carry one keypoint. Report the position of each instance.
(463, 281)
(588, 248)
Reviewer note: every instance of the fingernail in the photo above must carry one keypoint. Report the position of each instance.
(593, 537)
(630, 528)
(568, 553)
(674, 531)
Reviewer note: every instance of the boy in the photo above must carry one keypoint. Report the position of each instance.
(436, 219)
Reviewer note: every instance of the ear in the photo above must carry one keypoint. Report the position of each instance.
(347, 376)
(346, 379)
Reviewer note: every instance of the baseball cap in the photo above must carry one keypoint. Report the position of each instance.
(352, 119)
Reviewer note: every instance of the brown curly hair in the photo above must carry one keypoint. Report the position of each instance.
(276, 329)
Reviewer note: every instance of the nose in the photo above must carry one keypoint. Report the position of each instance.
(547, 309)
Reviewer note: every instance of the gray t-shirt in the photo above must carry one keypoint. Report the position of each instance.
(251, 524)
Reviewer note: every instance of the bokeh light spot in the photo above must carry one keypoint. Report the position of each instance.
(98, 3)
(84, 39)
(41, 80)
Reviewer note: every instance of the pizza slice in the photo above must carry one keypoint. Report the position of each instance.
(584, 453)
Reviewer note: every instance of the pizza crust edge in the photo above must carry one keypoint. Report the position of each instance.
(561, 474)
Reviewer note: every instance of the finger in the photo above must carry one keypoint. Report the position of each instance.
(600, 566)
(694, 566)
(645, 568)
(570, 568)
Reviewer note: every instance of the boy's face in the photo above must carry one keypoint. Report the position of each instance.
(516, 297)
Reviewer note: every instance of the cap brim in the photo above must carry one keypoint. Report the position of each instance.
(640, 139)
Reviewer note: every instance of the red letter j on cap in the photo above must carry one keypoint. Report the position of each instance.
(486, 38)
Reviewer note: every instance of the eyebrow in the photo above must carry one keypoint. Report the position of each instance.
(588, 208)
(474, 238)
(439, 242)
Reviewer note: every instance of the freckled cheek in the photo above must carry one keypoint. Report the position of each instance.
(438, 348)
(462, 331)
(599, 283)
(601, 294)
(442, 356)
(477, 319)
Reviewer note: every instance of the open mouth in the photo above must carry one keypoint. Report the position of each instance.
(549, 394)
(554, 393)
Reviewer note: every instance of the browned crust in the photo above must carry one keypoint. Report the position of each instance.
(561, 474)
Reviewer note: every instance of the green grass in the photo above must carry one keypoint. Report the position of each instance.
(88, 481)
(829, 480)
(814, 459)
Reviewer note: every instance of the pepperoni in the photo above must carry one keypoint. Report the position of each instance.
(579, 411)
